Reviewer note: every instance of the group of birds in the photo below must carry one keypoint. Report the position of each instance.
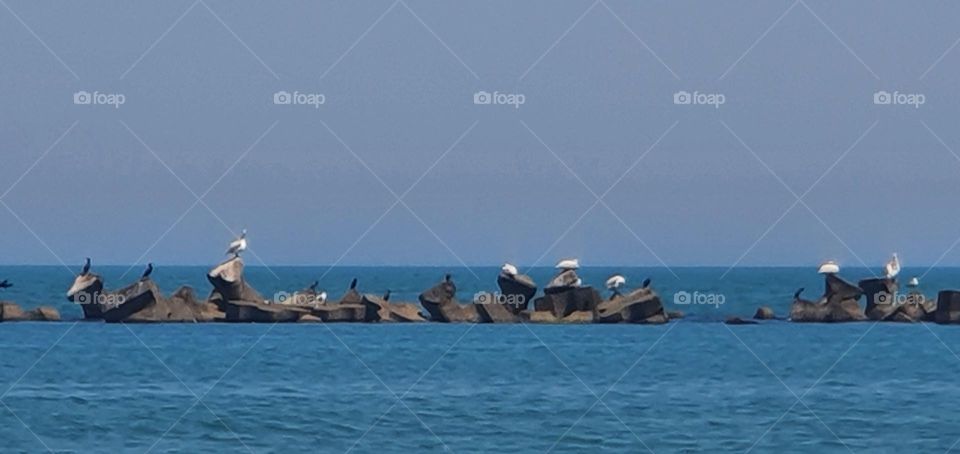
(890, 270)
(614, 283)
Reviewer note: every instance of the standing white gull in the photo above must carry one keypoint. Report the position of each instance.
(829, 267)
(238, 245)
(509, 269)
(568, 264)
(892, 268)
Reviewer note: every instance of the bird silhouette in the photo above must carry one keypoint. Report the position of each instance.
(86, 267)
(147, 271)
(5, 284)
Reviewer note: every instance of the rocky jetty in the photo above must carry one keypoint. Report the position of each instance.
(11, 312)
(840, 303)
(140, 302)
(441, 303)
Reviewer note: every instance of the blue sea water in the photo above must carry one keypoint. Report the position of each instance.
(691, 385)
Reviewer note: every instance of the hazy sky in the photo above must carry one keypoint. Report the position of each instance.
(480, 183)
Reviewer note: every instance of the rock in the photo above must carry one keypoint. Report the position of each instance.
(764, 313)
(86, 291)
(565, 301)
(229, 284)
(307, 318)
(739, 321)
(380, 310)
(339, 312)
(143, 302)
(639, 306)
(948, 307)
(675, 314)
(440, 302)
(519, 289)
(548, 317)
(839, 303)
(352, 296)
(562, 282)
(12, 312)
(260, 312)
(493, 311)
(881, 295)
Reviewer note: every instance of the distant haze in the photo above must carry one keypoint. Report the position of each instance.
(382, 105)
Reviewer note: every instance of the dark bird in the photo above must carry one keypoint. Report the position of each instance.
(313, 286)
(146, 272)
(386, 296)
(5, 284)
(447, 278)
(86, 267)
(796, 295)
(646, 283)
(353, 284)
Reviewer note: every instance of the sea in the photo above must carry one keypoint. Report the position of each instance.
(692, 385)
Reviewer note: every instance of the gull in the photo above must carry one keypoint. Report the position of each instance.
(238, 245)
(892, 268)
(509, 269)
(914, 282)
(568, 264)
(616, 281)
(829, 267)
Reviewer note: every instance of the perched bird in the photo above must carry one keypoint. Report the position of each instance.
(568, 264)
(322, 297)
(796, 295)
(238, 245)
(615, 282)
(353, 284)
(5, 284)
(386, 296)
(829, 267)
(146, 272)
(447, 278)
(86, 267)
(509, 269)
(913, 282)
(646, 283)
(314, 285)
(892, 268)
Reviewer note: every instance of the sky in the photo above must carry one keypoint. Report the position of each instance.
(783, 156)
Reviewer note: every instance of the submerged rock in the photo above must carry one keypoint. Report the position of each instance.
(440, 302)
(739, 321)
(764, 313)
(838, 304)
(12, 312)
(642, 305)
